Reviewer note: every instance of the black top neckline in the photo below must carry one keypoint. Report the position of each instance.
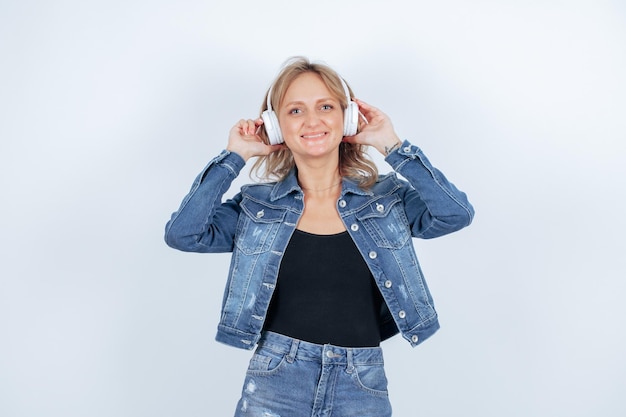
(321, 235)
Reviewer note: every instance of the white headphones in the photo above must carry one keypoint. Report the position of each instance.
(270, 120)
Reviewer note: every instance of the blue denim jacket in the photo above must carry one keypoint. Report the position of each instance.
(257, 223)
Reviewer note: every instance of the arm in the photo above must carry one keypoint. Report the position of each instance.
(434, 206)
(203, 223)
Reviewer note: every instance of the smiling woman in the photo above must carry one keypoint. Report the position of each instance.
(311, 120)
(323, 266)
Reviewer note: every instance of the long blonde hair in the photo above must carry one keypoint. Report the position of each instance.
(354, 162)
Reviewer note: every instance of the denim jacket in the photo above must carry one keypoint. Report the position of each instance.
(257, 223)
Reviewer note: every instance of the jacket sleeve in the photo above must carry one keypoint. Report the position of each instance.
(434, 206)
(203, 223)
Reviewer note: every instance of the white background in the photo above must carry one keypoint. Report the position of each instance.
(108, 110)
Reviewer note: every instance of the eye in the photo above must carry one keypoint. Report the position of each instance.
(327, 107)
(295, 111)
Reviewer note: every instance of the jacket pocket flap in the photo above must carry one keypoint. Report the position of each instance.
(378, 208)
(262, 213)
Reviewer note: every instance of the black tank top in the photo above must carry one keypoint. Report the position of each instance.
(325, 293)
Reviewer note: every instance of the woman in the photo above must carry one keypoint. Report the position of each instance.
(323, 266)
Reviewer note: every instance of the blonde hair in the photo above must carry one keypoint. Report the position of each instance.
(354, 162)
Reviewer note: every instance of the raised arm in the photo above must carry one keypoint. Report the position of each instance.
(434, 206)
(203, 223)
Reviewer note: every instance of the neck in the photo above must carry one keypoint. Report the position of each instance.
(319, 180)
(330, 187)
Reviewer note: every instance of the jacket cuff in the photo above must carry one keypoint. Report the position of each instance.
(230, 160)
(402, 154)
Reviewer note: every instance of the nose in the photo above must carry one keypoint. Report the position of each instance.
(311, 119)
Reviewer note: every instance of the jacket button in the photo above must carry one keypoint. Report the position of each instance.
(354, 227)
(402, 314)
(380, 208)
(388, 284)
(407, 149)
(414, 338)
(373, 255)
(342, 203)
(260, 214)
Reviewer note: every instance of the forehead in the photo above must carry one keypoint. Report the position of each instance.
(307, 86)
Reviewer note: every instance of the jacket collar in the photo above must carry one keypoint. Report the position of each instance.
(290, 185)
(287, 186)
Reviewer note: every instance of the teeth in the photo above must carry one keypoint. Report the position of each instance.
(313, 136)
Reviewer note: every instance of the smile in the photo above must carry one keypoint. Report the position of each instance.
(314, 136)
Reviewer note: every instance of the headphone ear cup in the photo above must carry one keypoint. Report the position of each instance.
(270, 123)
(351, 119)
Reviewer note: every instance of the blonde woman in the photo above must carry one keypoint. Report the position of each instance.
(323, 266)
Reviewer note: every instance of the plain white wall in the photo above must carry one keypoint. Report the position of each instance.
(108, 109)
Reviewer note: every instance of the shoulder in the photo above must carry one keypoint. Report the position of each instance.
(258, 190)
(388, 183)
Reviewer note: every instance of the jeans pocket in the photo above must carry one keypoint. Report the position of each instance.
(265, 363)
(371, 378)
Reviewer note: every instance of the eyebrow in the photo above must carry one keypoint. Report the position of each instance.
(291, 103)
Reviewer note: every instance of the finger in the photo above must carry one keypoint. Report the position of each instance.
(276, 148)
(250, 127)
(363, 104)
(259, 124)
(351, 139)
(241, 126)
(362, 121)
(368, 111)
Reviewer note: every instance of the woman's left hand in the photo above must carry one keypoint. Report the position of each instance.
(377, 132)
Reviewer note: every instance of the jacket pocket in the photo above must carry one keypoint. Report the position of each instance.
(257, 226)
(386, 222)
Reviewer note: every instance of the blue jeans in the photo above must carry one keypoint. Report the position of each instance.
(292, 378)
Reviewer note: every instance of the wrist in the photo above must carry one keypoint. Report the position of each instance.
(391, 147)
(239, 152)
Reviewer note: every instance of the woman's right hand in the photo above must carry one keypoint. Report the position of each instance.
(244, 140)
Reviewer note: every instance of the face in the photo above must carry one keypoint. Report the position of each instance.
(311, 118)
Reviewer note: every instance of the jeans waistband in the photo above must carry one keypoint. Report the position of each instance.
(325, 354)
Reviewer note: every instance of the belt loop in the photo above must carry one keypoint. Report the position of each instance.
(292, 353)
(350, 367)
